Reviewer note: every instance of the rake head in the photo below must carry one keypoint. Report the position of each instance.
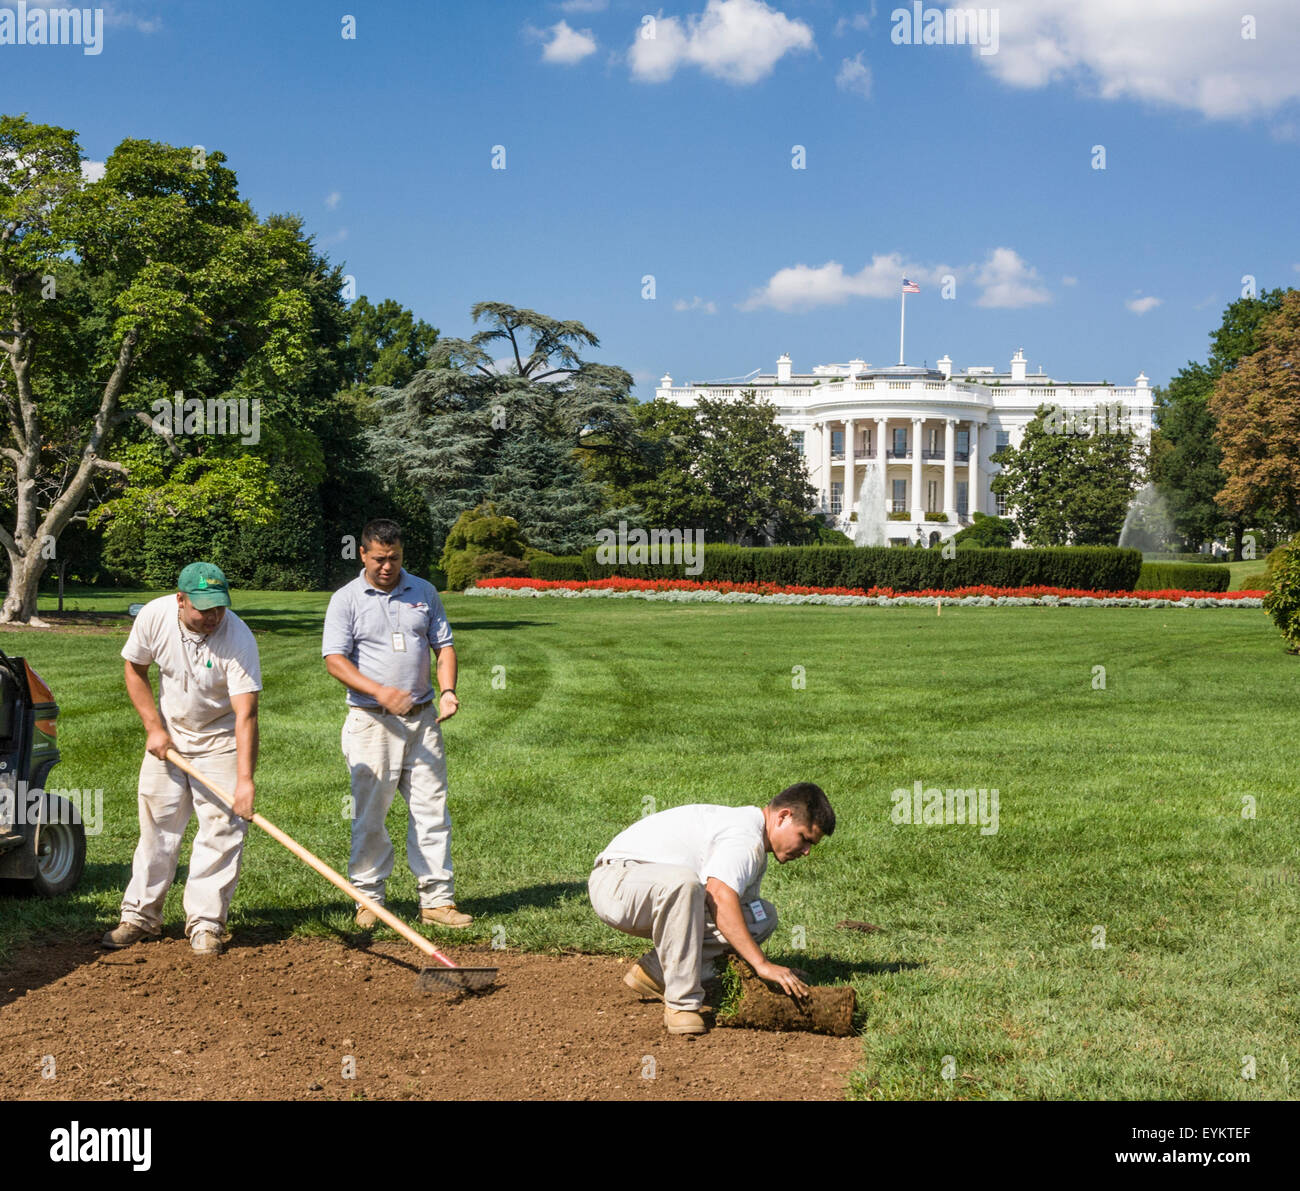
(455, 979)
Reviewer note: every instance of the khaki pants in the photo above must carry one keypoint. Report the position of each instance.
(388, 754)
(167, 798)
(665, 903)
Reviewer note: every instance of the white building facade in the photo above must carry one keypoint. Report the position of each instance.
(929, 432)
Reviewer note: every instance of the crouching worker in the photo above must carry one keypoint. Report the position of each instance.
(688, 879)
(209, 677)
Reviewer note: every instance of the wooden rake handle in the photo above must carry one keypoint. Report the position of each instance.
(382, 913)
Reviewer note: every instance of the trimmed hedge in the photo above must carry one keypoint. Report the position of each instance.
(1197, 559)
(1090, 568)
(558, 568)
(1182, 576)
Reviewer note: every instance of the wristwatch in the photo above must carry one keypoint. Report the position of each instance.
(451, 690)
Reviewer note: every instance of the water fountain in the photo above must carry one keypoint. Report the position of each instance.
(1148, 525)
(871, 508)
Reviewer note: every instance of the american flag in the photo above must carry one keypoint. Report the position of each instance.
(910, 287)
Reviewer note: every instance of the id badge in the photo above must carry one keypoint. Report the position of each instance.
(399, 643)
(756, 908)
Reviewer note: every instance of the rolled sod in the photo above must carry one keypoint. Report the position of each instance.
(741, 999)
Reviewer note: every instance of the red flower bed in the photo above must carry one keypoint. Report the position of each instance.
(620, 584)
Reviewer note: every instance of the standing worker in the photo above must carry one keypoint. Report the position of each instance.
(688, 879)
(209, 676)
(379, 630)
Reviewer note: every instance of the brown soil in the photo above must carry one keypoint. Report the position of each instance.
(828, 1009)
(278, 1020)
(95, 623)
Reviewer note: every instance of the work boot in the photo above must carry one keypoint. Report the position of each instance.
(206, 942)
(642, 983)
(683, 1021)
(126, 933)
(366, 918)
(446, 916)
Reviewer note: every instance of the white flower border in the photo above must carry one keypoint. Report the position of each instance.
(968, 601)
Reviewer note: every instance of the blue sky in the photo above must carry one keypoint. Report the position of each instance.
(671, 156)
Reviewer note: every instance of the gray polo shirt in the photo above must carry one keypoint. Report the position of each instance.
(361, 621)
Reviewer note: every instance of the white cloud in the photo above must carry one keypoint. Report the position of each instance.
(568, 46)
(859, 22)
(854, 77)
(1004, 279)
(572, 6)
(333, 238)
(802, 287)
(92, 171)
(696, 303)
(1008, 282)
(332, 200)
(1069, 280)
(1183, 53)
(739, 41)
(1142, 305)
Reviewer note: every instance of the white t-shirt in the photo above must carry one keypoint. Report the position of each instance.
(196, 674)
(713, 841)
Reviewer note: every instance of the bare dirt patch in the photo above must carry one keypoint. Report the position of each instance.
(278, 1020)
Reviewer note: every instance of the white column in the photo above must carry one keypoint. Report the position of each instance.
(826, 467)
(850, 494)
(973, 473)
(882, 458)
(949, 468)
(918, 513)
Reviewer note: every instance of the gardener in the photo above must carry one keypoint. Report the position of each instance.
(209, 677)
(689, 878)
(379, 630)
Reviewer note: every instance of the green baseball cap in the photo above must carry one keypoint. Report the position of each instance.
(205, 585)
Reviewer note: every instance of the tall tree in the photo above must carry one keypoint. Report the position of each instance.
(1257, 406)
(1186, 457)
(725, 467)
(506, 415)
(156, 277)
(1064, 488)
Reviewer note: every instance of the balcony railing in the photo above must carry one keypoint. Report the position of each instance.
(929, 453)
(895, 453)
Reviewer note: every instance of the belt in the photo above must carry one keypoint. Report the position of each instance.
(418, 707)
(618, 860)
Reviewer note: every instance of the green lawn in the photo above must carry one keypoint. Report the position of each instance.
(1119, 808)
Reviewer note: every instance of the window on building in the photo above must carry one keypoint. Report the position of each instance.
(837, 496)
(796, 436)
(900, 496)
(935, 445)
(837, 442)
(999, 504)
(1004, 439)
(900, 441)
(963, 490)
(963, 444)
(932, 496)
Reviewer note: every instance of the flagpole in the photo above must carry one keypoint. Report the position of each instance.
(902, 316)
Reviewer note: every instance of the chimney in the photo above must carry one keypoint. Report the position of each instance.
(783, 370)
(1142, 382)
(856, 367)
(945, 366)
(1018, 366)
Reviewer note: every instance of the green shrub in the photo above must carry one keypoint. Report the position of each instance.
(1182, 576)
(558, 568)
(1283, 602)
(899, 517)
(938, 516)
(492, 564)
(987, 532)
(1256, 581)
(1094, 568)
(480, 530)
(459, 569)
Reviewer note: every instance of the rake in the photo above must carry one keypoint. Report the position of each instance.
(449, 976)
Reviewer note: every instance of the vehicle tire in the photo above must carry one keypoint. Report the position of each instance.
(61, 851)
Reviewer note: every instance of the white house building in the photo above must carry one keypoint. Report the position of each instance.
(918, 439)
